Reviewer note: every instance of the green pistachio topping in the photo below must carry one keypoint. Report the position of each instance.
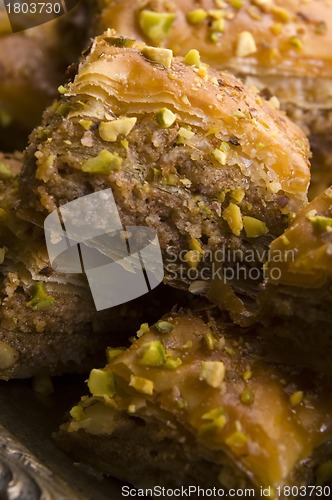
(173, 363)
(296, 42)
(159, 56)
(101, 383)
(120, 41)
(233, 217)
(77, 413)
(237, 442)
(8, 356)
(39, 297)
(247, 397)
(156, 25)
(197, 16)
(321, 223)
(164, 326)
(153, 354)
(165, 117)
(192, 58)
(144, 328)
(86, 124)
(113, 352)
(296, 398)
(209, 341)
(5, 172)
(105, 163)
(216, 421)
(254, 227)
(109, 131)
(143, 385)
(213, 373)
(62, 89)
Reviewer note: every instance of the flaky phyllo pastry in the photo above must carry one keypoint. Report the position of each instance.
(186, 150)
(281, 46)
(193, 403)
(297, 299)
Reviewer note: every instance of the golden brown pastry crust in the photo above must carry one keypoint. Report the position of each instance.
(277, 53)
(224, 403)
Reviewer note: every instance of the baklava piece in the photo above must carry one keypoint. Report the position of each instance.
(32, 66)
(191, 403)
(48, 320)
(282, 47)
(189, 151)
(297, 298)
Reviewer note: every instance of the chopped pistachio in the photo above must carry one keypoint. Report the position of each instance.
(247, 397)
(281, 14)
(173, 363)
(63, 109)
(214, 36)
(156, 25)
(104, 163)
(113, 352)
(8, 356)
(109, 131)
(320, 222)
(86, 124)
(77, 413)
(247, 375)
(233, 217)
(184, 134)
(237, 195)
(213, 373)
(254, 227)
(159, 56)
(296, 398)
(5, 172)
(39, 297)
(218, 26)
(165, 117)
(239, 114)
(220, 156)
(237, 4)
(216, 421)
(246, 44)
(209, 341)
(164, 326)
(101, 383)
(237, 441)
(153, 354)
(192, 258)
(143, 385)
(195, 244)
(196, 16)
(144, 328)
(276, 28)
(120, 41)
(296, 42)
(62, 89)
(192, 58)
